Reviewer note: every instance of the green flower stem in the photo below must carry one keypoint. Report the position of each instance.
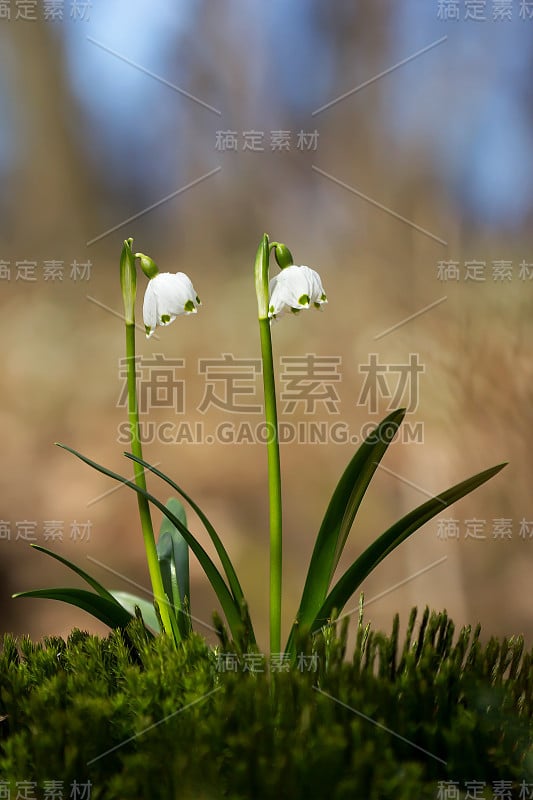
(274, 470)
(128, 282)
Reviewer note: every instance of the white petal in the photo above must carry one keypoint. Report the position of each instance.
(318, 295)
(150, 309)
(166, 297)
(278, 299)
(175, 293)
(295, 287)
(168, 319)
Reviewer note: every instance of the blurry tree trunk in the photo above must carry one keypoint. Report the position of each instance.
(51, 185)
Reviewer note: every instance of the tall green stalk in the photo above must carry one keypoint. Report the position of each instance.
(128, 281)
(274, 470)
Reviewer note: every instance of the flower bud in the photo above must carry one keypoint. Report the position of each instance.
(148, 265)
(283, 255)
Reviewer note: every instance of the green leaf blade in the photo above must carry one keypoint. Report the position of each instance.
(128, 601)
(392, 538)
(341, 513)
(231, 609)
(110, 612)
(173, 554)
(225, 560)
(93, 583)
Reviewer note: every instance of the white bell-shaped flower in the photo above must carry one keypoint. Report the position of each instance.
(294, 288)
(167, 296)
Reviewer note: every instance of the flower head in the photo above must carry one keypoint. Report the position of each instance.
(167, 296)
(295, 288)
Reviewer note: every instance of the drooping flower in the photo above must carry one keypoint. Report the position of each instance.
(167, 296)
(295, 288)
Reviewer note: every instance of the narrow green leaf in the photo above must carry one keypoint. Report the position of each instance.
(225, 560)
(340, 515)
(171, 585)
(229, 606)
(129, 601)
(101, 590)
(388, 541)
(110, 612)
(231, 575)
(173, 554)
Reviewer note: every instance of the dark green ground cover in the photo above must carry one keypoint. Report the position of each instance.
(447, 708)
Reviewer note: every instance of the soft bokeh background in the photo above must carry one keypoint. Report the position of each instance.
(109, 128)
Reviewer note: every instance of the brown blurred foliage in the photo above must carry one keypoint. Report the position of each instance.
(60, 360)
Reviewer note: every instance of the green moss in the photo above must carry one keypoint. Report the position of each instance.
(138, 719)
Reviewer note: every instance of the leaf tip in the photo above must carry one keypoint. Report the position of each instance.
(497, 468)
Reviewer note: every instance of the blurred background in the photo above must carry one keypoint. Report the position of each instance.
(389, 146)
